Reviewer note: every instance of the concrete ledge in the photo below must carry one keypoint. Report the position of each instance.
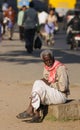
(69, 110)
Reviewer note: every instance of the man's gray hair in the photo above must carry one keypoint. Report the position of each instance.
(45, 53)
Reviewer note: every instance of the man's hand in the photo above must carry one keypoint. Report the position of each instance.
(46, 81)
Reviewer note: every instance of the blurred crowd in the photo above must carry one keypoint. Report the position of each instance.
(7, 21)
(29, 22)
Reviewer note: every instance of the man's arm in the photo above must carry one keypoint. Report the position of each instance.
(45, 81)
(45, 77)
(24, 17)
(63, 79)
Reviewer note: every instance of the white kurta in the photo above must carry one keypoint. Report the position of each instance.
(44, 94)
(56, 93)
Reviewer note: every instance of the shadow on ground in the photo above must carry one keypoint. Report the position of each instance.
(22, 57)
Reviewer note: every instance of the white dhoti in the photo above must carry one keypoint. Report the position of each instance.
(44, 94)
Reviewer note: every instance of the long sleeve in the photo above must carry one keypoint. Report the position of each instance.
(45, 74)
(62, 78)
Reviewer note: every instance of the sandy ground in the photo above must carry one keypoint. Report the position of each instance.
(14, 98)
(18, 70)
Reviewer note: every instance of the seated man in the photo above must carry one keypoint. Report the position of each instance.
(53, 88)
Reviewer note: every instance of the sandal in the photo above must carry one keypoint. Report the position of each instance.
(35, 119)
(23, 115)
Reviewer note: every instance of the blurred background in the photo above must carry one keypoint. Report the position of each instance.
(64, 9)
(60, 5)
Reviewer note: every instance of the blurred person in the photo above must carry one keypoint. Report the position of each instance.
(2, 12)
(5, 23)
(1, 24)
(42, 16)
(20, 21)
(73, 26)
(49, 33)
(1, 16)
(5, 5)
(10, 14)
(30, 22)
(50, 25)
(0, 32)
(51, 17)
(53, 88)
(4, 9)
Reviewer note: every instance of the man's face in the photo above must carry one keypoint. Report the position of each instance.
(48, 60)
(24, 8)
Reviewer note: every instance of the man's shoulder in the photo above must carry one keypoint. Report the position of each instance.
(31, 9)
(62, 68)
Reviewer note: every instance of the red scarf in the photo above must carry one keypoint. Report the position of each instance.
(52, 71)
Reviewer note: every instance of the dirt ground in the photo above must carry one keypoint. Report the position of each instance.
(14, 98)
(15, 92)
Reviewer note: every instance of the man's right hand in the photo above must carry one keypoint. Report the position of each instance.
(46, 81)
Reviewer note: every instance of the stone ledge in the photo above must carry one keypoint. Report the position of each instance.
(69, 110)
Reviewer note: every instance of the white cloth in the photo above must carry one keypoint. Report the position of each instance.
(44, 94)
(35, 100)
(51, 19)
(42, 17)
(6, 19)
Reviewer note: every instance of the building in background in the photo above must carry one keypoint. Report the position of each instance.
(63, 5)
(22, 2)
(39, 5)
(58, 4)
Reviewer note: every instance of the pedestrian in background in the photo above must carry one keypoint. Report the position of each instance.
(4, 9)
(5, 5)
(10, 14)
(1, 24)
(30, 22)
(42, 16)
(0, 32)
(19, 22)
(50, 25)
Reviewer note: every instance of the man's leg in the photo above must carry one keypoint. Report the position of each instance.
(27, 113)
(21, 33)
(29, 37)
(10, 33)
(20, 36)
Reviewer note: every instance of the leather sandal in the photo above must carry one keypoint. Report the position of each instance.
(23, 115)
(35, 119)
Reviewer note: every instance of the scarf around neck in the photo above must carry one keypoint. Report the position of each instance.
(52, 71)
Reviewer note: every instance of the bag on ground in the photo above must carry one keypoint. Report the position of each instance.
(37, 42)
